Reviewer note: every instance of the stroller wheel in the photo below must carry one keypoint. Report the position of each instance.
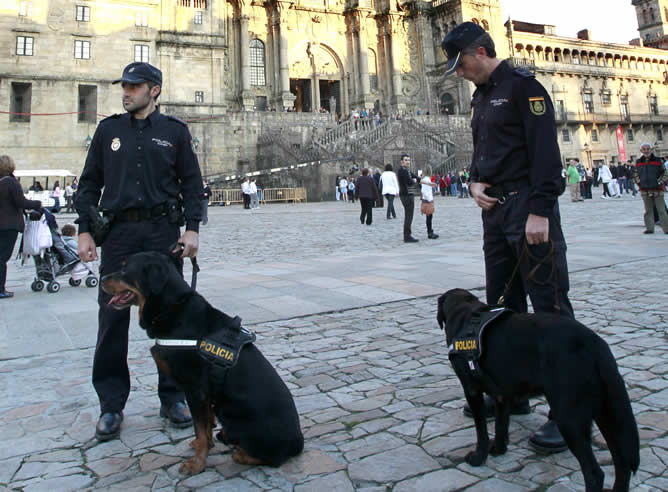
(53, 287)
(91, 282)
(37, 286)
(75, 283)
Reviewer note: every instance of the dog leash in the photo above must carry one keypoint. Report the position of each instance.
(531, 277)
(193, 260)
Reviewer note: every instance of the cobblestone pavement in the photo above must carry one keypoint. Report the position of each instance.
(380, 407)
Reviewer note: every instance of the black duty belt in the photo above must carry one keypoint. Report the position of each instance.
(141, 214)
(506, 189)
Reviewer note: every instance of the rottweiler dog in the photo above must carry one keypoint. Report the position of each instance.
(532, 354)
(254, 406)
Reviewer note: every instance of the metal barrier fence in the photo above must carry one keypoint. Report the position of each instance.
(228, 197)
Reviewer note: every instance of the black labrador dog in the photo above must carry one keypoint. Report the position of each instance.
(252, 403)
(533, 354)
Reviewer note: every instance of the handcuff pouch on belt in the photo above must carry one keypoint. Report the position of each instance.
(175, 212)
(99, 225)
(223, 347)
(468, 343)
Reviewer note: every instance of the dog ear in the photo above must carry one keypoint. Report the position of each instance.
(156, 277)
(440, 317)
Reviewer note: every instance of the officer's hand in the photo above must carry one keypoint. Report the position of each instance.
(537, 229)
(87, 251)
(483, 200)
(190, 242)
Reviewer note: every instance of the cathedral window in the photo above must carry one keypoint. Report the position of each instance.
(195, 4)
(82, 50)
(565, 135)
(24, 45)
(83, 13)
(447, 104)
(257, 62)
(87, 103)
(141, 53)
(198, 17)
(19, 106)
(199, 96)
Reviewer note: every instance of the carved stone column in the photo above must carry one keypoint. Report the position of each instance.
(247, 99)
(269, 55)
(287, 99)
(316, 92)
(397, 94)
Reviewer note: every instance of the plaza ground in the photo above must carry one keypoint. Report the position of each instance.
(347, 314)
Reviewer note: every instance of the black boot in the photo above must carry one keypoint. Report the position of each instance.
(548, 439)
(431, 235)
(109, 426)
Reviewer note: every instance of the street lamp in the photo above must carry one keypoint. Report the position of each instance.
(196, 143)
(88, 141)
(588, 152)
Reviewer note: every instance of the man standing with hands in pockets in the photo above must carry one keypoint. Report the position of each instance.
(140, 168)
(515, 179)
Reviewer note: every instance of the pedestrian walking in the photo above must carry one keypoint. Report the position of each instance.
(515, 179)
(650, 175)
(204, 200)
(254, 202)
(407, 181)
(69, 195)
(390, 188)
(12, 205)
(367, 193)
(139, 166)
(343, 188)
(605, 177)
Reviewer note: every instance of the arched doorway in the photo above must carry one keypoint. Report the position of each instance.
(448, 105)
(316, 79)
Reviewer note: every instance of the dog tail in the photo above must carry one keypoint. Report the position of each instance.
(618, 406)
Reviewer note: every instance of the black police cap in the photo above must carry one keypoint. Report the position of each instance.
(457, 40)
(138, 72)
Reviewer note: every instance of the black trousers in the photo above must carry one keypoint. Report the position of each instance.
(367, 210)
(503, 242)
(246, 198)
(408, 201)
(111, 376)
(390, 206)
(7, 241)
(430, 217)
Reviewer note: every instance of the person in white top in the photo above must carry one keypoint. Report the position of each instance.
(605, 176)
(343, 187)
(427, 208)
(254, 203)
(245, 192)
(389, 187)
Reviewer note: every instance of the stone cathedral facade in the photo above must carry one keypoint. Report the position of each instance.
(251, 76)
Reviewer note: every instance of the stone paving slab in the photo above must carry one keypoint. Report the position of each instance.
(379, 403)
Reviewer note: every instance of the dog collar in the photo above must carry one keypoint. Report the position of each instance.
(168, 342)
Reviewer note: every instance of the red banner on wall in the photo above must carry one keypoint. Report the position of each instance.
(620, 144)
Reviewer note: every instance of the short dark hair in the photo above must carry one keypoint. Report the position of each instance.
(151, 85)
(388, 167)
(485, 41)
(404, 155)
(365, 172)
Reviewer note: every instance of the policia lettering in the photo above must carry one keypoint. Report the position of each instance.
(465, 345)
(216, 350)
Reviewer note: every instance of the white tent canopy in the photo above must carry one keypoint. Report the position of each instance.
(40, 173)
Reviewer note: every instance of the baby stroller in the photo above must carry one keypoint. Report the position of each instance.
(60, 259)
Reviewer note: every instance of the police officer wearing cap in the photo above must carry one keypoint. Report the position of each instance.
(515, 179)
(141, 164)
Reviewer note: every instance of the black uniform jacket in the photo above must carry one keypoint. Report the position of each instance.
(140, 164)
(515, 136)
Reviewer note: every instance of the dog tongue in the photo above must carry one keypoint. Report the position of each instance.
(114, 300)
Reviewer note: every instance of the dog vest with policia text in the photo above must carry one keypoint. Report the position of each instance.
(223, 347)
(468, 341)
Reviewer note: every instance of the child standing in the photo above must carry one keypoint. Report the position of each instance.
(427, 208)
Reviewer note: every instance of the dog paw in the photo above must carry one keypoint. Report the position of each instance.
(241, 457)
(475, 459)
(193, 466)
(496, 449)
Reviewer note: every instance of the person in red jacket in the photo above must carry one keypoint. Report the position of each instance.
(650, 176)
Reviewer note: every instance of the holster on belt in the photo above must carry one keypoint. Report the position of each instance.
(99, 225)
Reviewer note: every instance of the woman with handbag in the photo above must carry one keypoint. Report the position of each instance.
(12, 203)
(427, 208)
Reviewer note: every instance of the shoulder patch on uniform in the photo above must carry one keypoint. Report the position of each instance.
(113, 116)
(537, 105)
(178, 120)
(524, 73)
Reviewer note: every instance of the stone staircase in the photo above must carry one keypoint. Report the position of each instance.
(364, 141)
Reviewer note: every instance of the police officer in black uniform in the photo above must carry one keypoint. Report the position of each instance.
(515, 179)
(143, 165)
